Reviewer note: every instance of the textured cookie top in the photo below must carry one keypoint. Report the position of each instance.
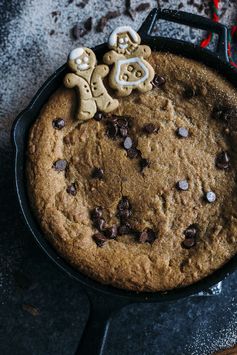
(144, 198)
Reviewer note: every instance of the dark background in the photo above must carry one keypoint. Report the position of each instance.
(42, 311)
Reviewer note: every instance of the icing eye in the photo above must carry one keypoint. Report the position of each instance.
(121, 40)
(86, 59)
(138, 74)
(126, 39)
(130, 68)
(78, 61)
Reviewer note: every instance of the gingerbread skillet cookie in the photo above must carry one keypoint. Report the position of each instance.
(142, 196)
(130, 69)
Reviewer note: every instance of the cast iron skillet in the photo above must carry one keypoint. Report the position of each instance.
(106, 300)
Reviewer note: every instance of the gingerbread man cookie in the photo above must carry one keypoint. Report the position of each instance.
(130, 69)
(87, 78)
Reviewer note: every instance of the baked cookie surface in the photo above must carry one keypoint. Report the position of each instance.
(143, 198)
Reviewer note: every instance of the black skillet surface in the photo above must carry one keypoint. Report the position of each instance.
(110, 299)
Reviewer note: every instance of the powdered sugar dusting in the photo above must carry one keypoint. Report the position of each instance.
(207, 342)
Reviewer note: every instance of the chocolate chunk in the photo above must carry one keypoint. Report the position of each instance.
(100, 239)
(98, 116)
(60, 165)
(144, 163)
(210, 196)
(150, 128)
(182, 132)
(99, 224)
(192, 231)
(88, 24)
(123, 132)
(96, 212)
(123, 204)
(112, 130)
(132, 152)
(188, 243)
(71, 190)
(143, 7)
(158, 81)
(182, 185)
(189, 92)
(223, 160)
(147, 236)
(124, 229)
(127, 143)
(78, 31)
(111, 232)
(58, 123)
(104, 19)
(31, 309)
(128, 10)
(97, 173)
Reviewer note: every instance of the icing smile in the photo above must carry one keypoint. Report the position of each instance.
(123, 46)
(83, 66)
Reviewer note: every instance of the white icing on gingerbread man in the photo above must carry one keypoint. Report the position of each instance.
(87, 78)
(130, 70)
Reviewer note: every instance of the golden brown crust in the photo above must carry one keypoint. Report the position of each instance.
(155, 201)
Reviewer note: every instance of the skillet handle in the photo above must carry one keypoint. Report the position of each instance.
(102, 309)
(188, 19)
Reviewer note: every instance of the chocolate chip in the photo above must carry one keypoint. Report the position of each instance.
(223, 160)
(123, 204)
(192, 231)
(67, 140)
(122, 122)
(150, 128)
(58, 123)
(98, 116)
(224, 113)
(96, 213)
(100, 239)
(132, 152)
(127, 143)
(123, 132)
(71, 190)
(124, 229)
(143, 7)
(182, 132)
(158, 81)
(188, 243)
(111, 232)
(97, 173)
(143, 163)
(112, 130)
(189, 92)
(182, 185)
(147, 236)
(124, 214)
(210, 196)
(60, 165)
(99, 224)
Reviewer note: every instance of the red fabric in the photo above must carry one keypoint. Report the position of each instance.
(233, 32)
